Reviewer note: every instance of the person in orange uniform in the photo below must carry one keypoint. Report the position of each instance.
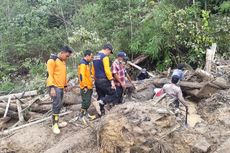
(85, 75)
(57, 82)
(104, 83)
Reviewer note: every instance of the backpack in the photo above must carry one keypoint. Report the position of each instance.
(53, 57)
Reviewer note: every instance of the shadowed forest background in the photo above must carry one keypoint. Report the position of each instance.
(168, 31)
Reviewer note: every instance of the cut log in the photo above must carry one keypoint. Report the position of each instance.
(20, 114)
(221, 82)
(210, 54)
(31, 102)
(23, 100)
(10, 113)
(139, 68)
(160, 82)
(35, 107)
(12, 107)
(70, 98)
(205, 76)
(139, 59)
(26, 94)
(40, 108)
(191, 85)
(143, 84)
(206, 91)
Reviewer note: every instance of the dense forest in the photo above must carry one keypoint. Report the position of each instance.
(168, 31)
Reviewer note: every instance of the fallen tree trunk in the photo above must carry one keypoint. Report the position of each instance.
(10, 113)
(139, 68)
(139, 59)
(35, 107)
(70, 98)
(221, 82)
(26, 94)
(24, 100)
(191, 85)
(206, 91)
(205, 76)
(40, 108)
(158, 82)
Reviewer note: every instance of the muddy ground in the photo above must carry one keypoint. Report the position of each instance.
(139, 126)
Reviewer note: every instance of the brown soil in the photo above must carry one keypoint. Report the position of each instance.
(134, 127)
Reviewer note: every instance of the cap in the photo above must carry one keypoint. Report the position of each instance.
(121, 54)
(175, 79)
(108, 46)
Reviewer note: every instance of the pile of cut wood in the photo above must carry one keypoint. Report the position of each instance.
(21, 108)
(201, 83)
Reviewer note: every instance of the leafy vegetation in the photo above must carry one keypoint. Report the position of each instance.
(169, 31)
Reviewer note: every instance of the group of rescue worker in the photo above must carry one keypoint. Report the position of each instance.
(110, 82)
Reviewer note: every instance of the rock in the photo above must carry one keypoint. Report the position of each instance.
(162, 111)
(225, 147)
(201, 146)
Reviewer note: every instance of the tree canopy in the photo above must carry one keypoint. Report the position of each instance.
(169, 31)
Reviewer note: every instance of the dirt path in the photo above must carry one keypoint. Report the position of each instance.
(39, 138)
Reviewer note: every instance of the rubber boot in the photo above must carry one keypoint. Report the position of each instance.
(90, 117)
(82, 116)
(55, 127)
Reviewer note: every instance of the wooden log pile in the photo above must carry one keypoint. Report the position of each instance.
(200, 85)
(29, 105)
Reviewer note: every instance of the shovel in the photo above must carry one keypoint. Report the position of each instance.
(186, 118)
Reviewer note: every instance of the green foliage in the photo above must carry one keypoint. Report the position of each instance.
(169, 31)
(221, 34)
(191, 29)
(225, 7)
(6, 85)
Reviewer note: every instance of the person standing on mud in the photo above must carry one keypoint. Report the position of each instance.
(174, 92)
(179, 71)
(85, 74)
(57, 83)
(118, 71)
(103, 76)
